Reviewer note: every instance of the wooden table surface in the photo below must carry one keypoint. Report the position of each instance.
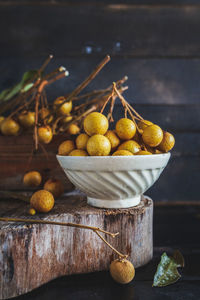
(174, 228)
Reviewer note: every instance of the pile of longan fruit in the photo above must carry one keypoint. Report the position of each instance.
(128, 138)
(43, 199)
(25, 121)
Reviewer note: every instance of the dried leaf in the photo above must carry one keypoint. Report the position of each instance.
(179, 259)
(167, 272)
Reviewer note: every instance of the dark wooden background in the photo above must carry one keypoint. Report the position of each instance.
(156, 43)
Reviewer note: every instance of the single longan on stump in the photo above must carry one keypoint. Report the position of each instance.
(34, 254)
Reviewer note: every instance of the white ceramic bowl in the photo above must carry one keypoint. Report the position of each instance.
(114, 181)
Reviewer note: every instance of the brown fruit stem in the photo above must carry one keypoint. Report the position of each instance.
(46, 62)
(125, 102)
(33, 221)
(88, 79)
(123, 256)
(37, 98)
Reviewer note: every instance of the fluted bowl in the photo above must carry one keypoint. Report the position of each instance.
(114, 181)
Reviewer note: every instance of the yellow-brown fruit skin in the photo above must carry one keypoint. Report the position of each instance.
(66, 119)
(73, 129)
(10, 127)
(113, 138)
(122, 271)
(143, 152)
(64, 109)
(32, 179)
(125, 129)
(98, 145)
(32, 211)
(122, 153)
(43, 113)
(2, 118)
(152, 135)
(78, 152)
(42, 201)
(167, 143)
(95, 123)
(55, 187)
(66, 147)
(143, 124)
(45, 134)
(27, 119)
(131, 146)
(81, 141)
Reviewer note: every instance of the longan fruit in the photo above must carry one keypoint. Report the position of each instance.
(42, 201)
(78, 152)
(64, 109)
(98, 145)
(66, 147)
(81, 141)
(143, 152)
(73, 129)
(113, 138)
(45, 134)
(27, 119)
(142, 124)
(10, 127)
(55, 187)
(122, 271)
(95, 123)
(152, 135)
(125, 129)
(131, 146)
(32, 179)
(122, 153)
(167, 143)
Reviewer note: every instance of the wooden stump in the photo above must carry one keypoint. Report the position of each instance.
(31, 255)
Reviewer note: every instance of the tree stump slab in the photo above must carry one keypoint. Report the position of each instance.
(33, 254)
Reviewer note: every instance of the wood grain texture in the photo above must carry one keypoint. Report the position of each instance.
(100, 2)
(155, 81)
(115, 29)
(168, 236)
(34, 254)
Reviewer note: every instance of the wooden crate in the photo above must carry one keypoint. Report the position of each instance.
(14, 157)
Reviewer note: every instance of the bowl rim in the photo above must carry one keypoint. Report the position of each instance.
(113, 163)
(160, 155)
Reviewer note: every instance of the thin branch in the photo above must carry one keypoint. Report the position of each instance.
(88, 79)
(109, 245)
(32, 221)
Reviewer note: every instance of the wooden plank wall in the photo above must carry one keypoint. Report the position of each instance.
(156, 43)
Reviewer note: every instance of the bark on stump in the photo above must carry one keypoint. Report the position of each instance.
(33, 254)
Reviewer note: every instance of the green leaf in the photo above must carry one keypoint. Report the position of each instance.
(4, 93)
(19, 87)
(13, 91)
(27, 87)
(28, 76)
(167, 272)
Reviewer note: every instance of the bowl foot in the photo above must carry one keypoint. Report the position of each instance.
(119, 203)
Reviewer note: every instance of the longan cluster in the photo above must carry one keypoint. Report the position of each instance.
(25, 120)
(128, 138)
